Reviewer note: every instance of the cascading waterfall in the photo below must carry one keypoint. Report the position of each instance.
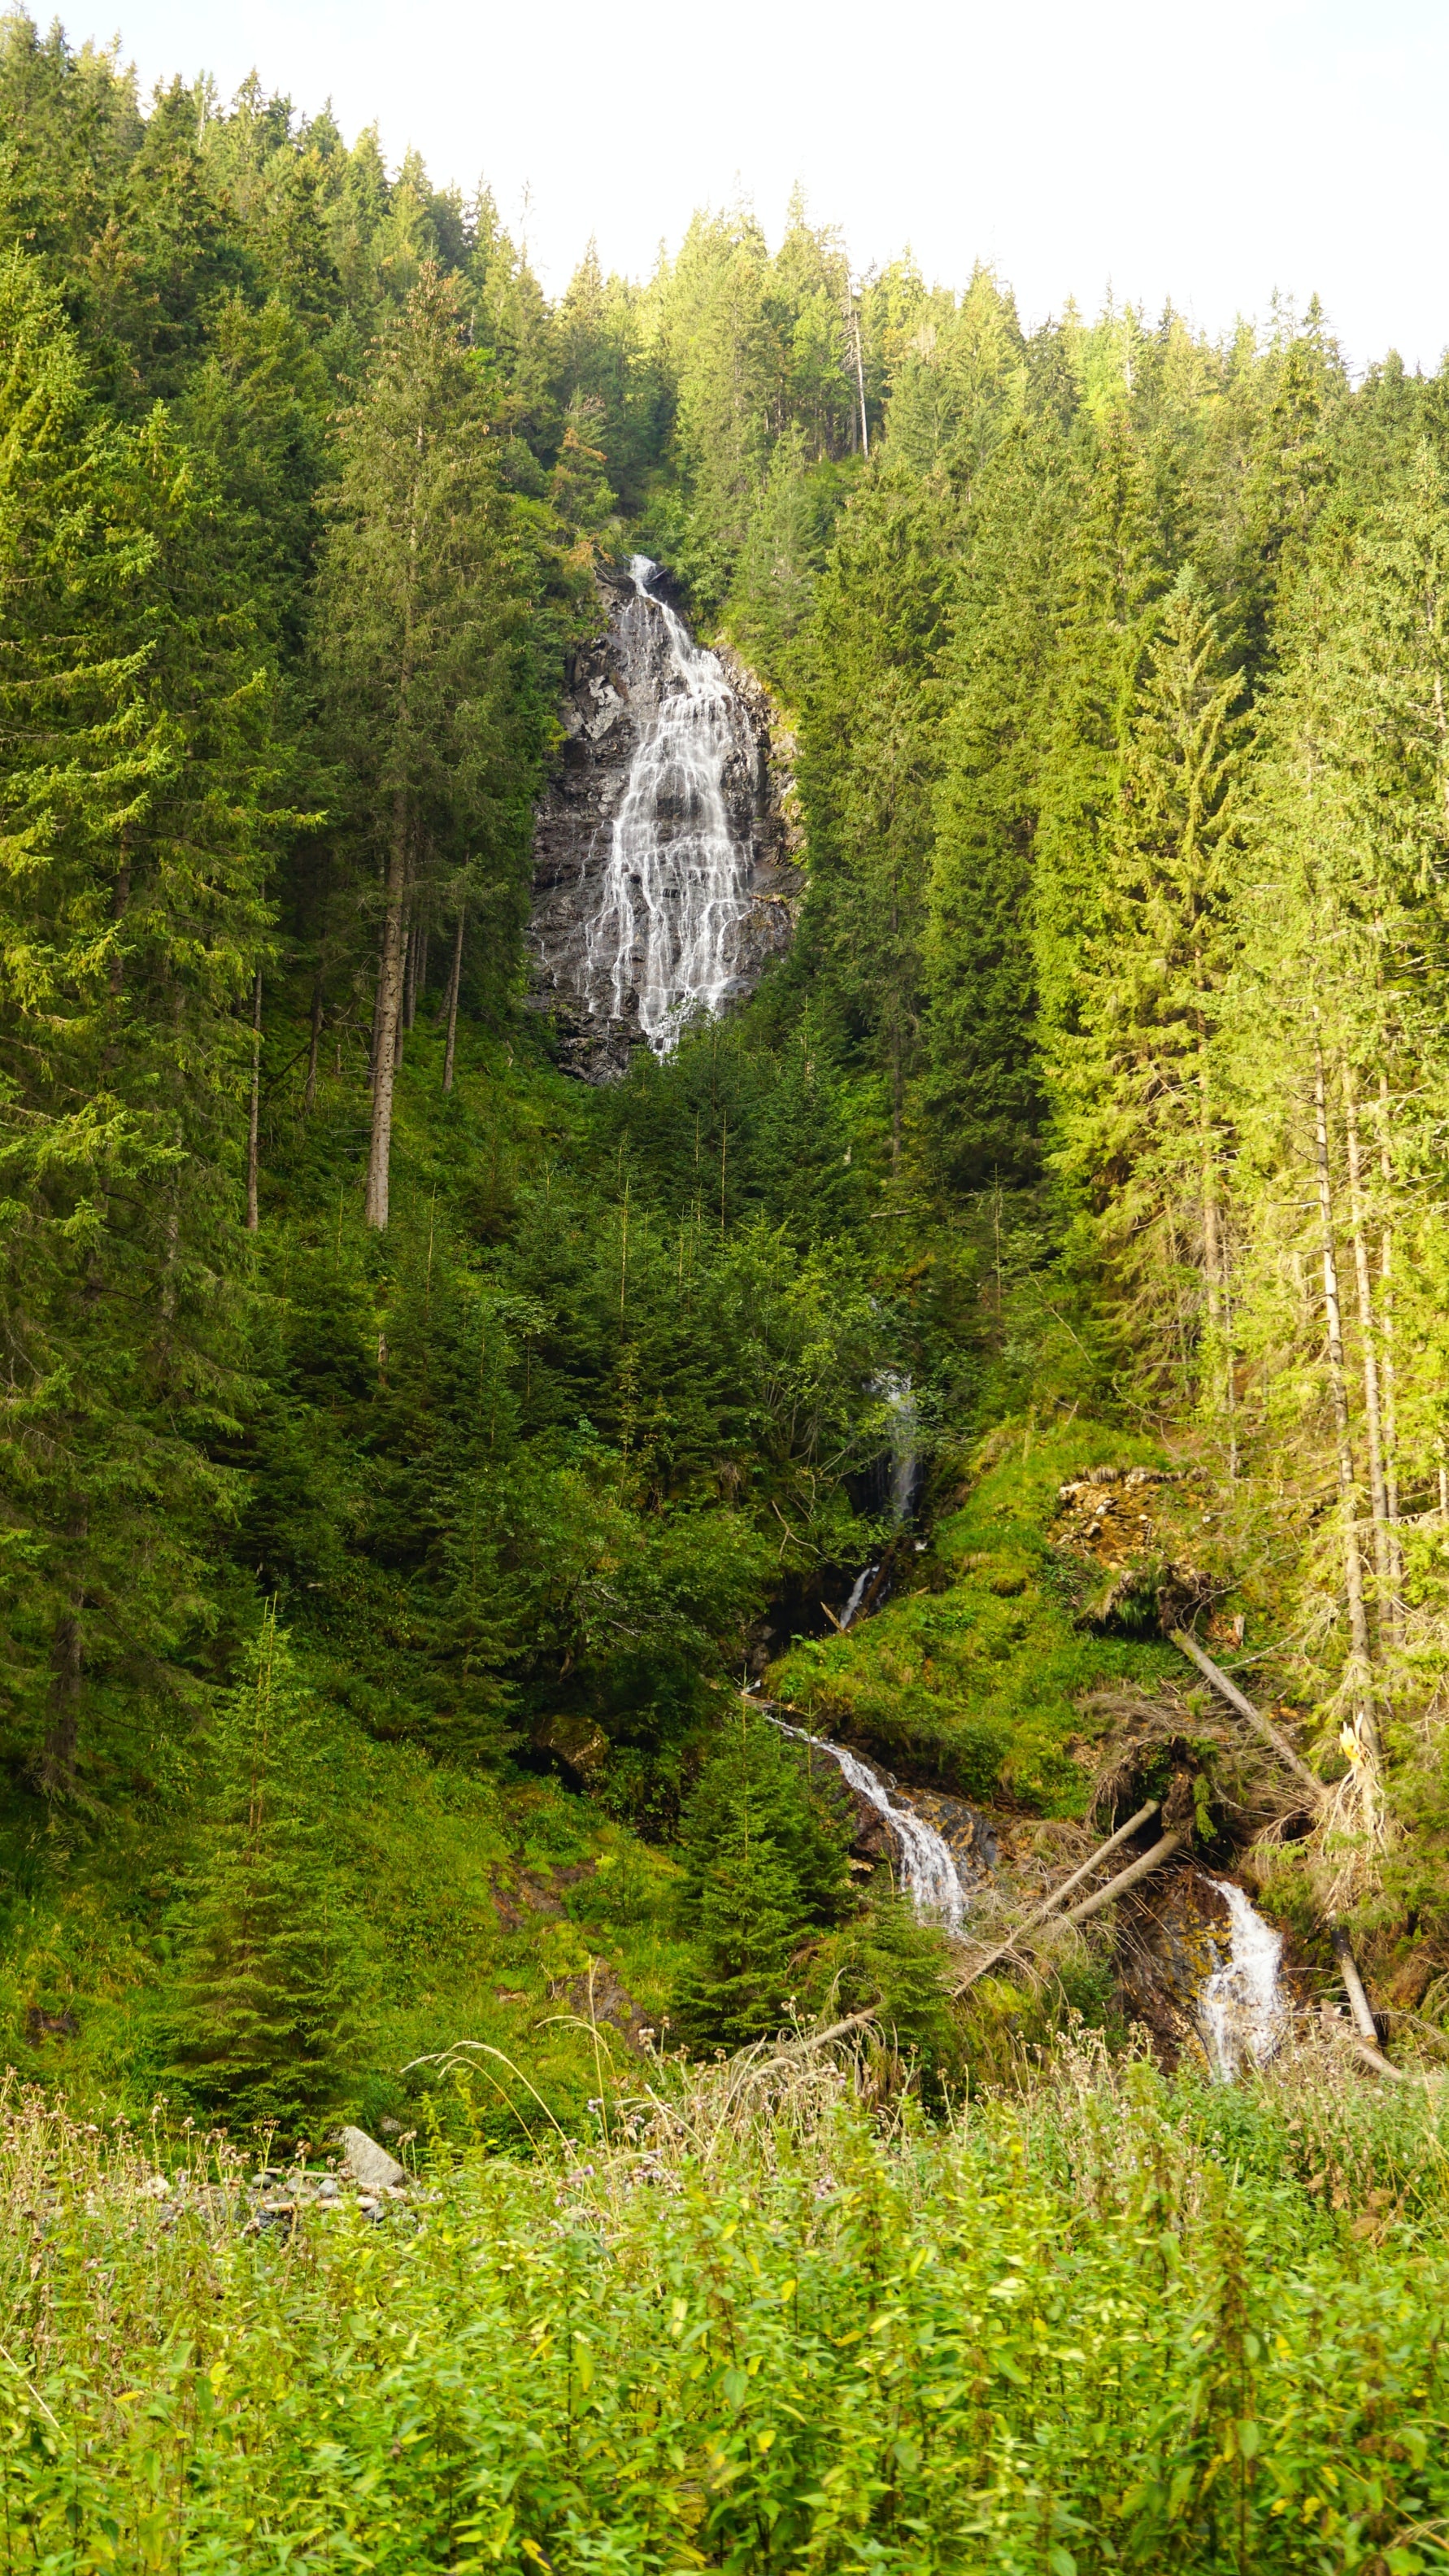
(905, 1464)
(865, 1577)
(1241, 2006)
(675, 893)
(927, 1868)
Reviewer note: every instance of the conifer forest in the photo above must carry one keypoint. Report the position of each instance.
(724, 1397)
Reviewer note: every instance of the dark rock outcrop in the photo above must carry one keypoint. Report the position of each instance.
(616, 685)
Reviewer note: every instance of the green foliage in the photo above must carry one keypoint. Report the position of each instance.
(1125, 2324)
(259, 2028)
(763, 1848)
(975, 1674)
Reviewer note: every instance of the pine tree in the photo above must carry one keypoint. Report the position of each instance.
(764, 1856)
(869, 765)
(261, 2021)
(1137, 1117)
(139, 752)
(421, 641)
(982, 1089)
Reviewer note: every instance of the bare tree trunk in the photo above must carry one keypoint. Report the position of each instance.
(1372, 1419)
(860, 384)
(254, 1115)
(415, 943)
(1365, 1728)
(1386, 1369)
(397, 1035)
(309, 1094)
(454, 978)
(389, 1011)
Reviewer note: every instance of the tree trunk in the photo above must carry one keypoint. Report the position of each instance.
(1183, 1638)
(1044, 1911)
(254, 1115)
(455, 973)
(389, 1011)
(1358, 2002)
(1386, 1371)
(1365, 1728)
(415, 942)
(309, 1094)
(1373, 1421)
(1118, 1886)
(397, 1035)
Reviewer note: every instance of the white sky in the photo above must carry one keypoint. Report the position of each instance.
(1216, 153)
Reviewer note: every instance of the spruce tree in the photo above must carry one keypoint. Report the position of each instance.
(139, 750)
(764, 1856)
(422, 648)
(260, 2025)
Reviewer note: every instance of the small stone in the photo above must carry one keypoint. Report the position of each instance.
(370, 2165)
(327, 2187)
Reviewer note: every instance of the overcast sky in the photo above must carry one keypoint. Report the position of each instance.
(1216, 154)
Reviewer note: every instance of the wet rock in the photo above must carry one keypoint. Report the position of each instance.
(616, 683)
(575, 1742)
(370, 2165)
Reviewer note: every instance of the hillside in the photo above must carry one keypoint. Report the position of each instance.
(722, 1094)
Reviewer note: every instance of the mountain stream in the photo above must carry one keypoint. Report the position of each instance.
(926, 1865)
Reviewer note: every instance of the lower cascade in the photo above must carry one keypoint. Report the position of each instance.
(1241, 2008)
(927, 1869)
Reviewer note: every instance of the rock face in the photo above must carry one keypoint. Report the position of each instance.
(666, 856)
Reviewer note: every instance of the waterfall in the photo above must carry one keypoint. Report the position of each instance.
(675, 892)
(928, 1870)
(865, 1577)
(1241, 2004)
(905, 1464)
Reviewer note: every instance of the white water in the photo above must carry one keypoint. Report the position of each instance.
(866, 1576)
(675, 892)
(927, 1868)
(900, 1397)
(1241, 2006)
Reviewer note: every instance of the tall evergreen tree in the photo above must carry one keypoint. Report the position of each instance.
(422, 646)
(261, 2020)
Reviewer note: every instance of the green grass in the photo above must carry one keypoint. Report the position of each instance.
(1115, 2324)
(975, 1677)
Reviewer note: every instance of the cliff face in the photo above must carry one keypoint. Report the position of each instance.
(666, 853)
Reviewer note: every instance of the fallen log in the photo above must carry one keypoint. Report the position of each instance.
(1374, 2057)
(1236, 1699)
(1118, 1886)
(1353, 1986)
(1049, 1905)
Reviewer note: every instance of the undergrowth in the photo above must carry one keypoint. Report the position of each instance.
(764, 2319)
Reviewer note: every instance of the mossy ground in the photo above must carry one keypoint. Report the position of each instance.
(974, 1676)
